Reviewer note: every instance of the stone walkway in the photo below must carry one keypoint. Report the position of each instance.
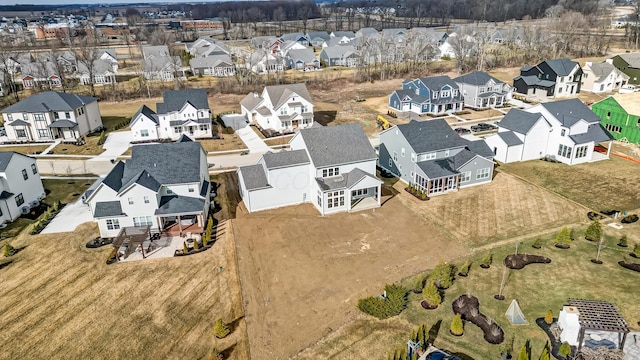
(631, 347)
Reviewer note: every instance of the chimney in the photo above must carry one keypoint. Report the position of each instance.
(609, 61)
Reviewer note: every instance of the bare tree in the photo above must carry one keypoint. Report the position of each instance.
(279, 16)
(462, 46)
(8, 57)
(87, 53)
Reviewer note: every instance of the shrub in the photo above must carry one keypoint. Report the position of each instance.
(594, 231)
(563, 237)
(419, 283)
(464, 269)
(636, 250)
(507, 348)
(486, 260)
(431, 294)
(548, 318)
(8, 250)
(221, 329)
(537, 244)
(102, 138)
(523, 354)
(196, 246)
(185, 248)
(565, 349)
(443, 275)
(457, 327)
(545, 352)
(56, 205)
(623, 241)
(629, 219)
(215, 354)
(385, 307)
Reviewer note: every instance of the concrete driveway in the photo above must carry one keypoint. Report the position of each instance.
(115, 145)
(69, 218)
(252, 140)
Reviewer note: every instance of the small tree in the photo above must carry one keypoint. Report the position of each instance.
(431, 294)
(548, 318)
(464, 269)
(564, 237)
(185, 248)
(442, 276)
(565, 349)
(636, 250)
(623, 241)
(594, 231)
(537, 244)
(457, 327)
(215, 354)
(221, 329)
(486, 260)
(196, 246)
(545, 352)
(56, 205)
(523, 354)
(8, 250)
(102, 138)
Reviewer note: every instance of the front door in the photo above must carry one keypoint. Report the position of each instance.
(190, 129)
(295, 124)
(451, 183)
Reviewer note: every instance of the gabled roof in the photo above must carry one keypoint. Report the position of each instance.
(595, 133)
(416, 98)
(336, 145)
(339, 51)
(603, 69)
(100, 66)
(292, 36)
(107, 209)
(570, 111)
(147, 112)
(211, 61)
(633, 59)
(63, 123)
(114, 178)
(143, 179)
(175, 204)
(49, 101)
(285, 158)
(280, 93)
(155, 51)
(430, 135)
(184, 138)
(318, 35)
(437, 82)
(6, 156)
(562, 67)
(347, 34)
(519, 121)
(174, 100)
(477, 78)
(480, 147)
(532, 80)
(254, 177)
(307, 55)
(344, 181)
(250, 101)
(510, 138)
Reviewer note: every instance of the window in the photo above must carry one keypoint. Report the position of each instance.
(169, 191)
(146, 199)
(446, 153)
(66, 115)
(38, 117)
(9, 117)
(43, 133)
(581, 151)
(304, 109)
(56, 116)
(455, 92)
(25, 116)
(283, 110)
(395, 156)
(402, 152)
(204, 127)
(465, 176)
(24, 174)
(20, 133)
(564, 151)
(113, 224)
(445, 93)
(330, 172)
(428, 156)
(190, 188)
(435, 94)
(19, 199)
(359, 192)
(562, 132)
(608, 114)
(177, 130)
(142, 221)
(144, 132)
(390, 162)
(613, 128)
(130, 200)
(483, 173)
(335, 199)
(34, 169)
(482, 90)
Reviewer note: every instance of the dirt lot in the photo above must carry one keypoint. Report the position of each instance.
(60, 300)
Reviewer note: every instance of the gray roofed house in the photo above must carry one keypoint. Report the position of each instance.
(570, 111)
(175, 100)
(442, 93)
(103, 72)
(302, 59)
(280, 93)
(260, 42)
(254, 177)
(432, 135)
(520, 121)
(50, 101)
(279, 109)
(206, 46)
(339, 55)
(347, 34)
(510, 138)
(550, 78)
(481, 90)
(337, 145)
(21, 188)
(108, 209)
(171, 163)
(158, 63)
(216, 65)
(603, 77)
(146, 112)
(317, 38)
(285, 158)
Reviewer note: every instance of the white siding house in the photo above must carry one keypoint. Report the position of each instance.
(280, 108)
(20, 185)
(331, 167)
(50, 116)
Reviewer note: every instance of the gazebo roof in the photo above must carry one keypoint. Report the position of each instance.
(599, 315)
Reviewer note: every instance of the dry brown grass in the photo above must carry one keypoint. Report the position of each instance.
(60, 300)
(278, 141)
(126, 109)
(27, 150)
(481, 114)
(229, 142)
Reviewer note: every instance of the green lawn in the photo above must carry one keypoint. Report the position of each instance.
(602, 185)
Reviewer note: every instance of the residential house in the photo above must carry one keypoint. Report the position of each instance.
(550, 78)
(348, 35)
(262, 42)
(331, 167)
(110, 56)
(67, 61)
(336, 42)
(263, 62)
(181, 112)
(340, 55)
(566, 131)
(163, 186)
(206, 46)
(215, 65)
(52, 115)
(103, 72)
(280, 108)
(40, 75)
(158, 64)
(20, 185)
(433, 157)
(367, 33)
(318, 38)
(630, 65)
(283, 48)
(438, 37)
(302, 59)
(620, 116)
(429, 95)
(481, 90)
(602, 77)
(297, 37)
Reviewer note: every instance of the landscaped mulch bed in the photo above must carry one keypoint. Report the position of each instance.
(555, 342)
(519, 261)
(98, 242)
(425, 305)
(630, 266)
(417, 196)
(468, 306)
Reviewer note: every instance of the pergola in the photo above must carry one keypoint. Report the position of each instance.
(131, 237)
(599, 316)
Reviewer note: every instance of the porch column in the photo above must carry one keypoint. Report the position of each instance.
(378, 193)
(159, 224)
(457, 182)
(180, 225)
(609, 148)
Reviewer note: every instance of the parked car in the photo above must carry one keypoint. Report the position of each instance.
(483, 127)
(3, 131)
(462, 131)
(628, 89)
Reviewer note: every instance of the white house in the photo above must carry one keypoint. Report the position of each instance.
(566, 131)
(103, 71)
(158, 64)
(20, 185)
(332, 167)
(165, 186)
(215, 65)
(280, 108)
(481, 90)
(206, 46)
(52, 115)
(181, 112)
(602, 77)
(263, 62)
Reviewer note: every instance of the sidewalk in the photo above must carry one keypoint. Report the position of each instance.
(116, 144)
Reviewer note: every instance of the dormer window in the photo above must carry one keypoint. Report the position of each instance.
(446, 93)
(435, 94)
(562, 132)
(330, 172)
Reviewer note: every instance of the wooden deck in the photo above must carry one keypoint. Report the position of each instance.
(174, 230)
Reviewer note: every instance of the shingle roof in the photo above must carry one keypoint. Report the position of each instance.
(595, 133)
(318, 34)
(437, 168)
(430, 135)
(348, 34)
(280, 93)
(339, 51)
(480, 147)
(108, 208)
(570, 111)
(210, 61)
(49, 101)
(412, 95)
(510, 138)
(254, 177)
(633, 59)
(5, 158)
(477, 78)
(285, 158)
(63, 123)
(155, 51)
(602, 70)
(100, 66)
(144, 179)
(147, 112)
(176, 204)
(519, 121)
(307, 55)
(174, 100)
(335, 145)
(167, 163)
(532, 80)
(345, 181)
(114, 178)
(437, 82)
(250, 101)
(562, 67)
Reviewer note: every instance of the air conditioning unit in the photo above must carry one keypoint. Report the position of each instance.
(25, 210)
(34, 203)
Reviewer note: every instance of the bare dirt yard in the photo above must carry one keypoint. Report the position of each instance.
(69, 304)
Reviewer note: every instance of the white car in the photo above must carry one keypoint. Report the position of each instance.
(628, 89)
